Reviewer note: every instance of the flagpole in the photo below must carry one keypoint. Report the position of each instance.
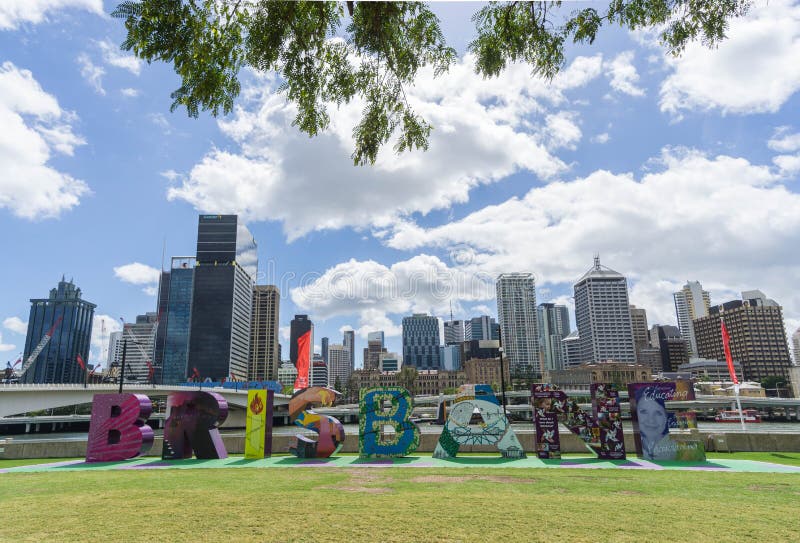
(726, 346)
(739, 405)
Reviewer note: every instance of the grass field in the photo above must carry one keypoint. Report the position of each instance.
(376, 504)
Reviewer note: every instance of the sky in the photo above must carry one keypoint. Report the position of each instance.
(671, 169)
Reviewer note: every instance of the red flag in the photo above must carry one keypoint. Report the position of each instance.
(726, 343)
(17, 362)
(94, 369)
(150, 371)
(81, 363)
(303, 350)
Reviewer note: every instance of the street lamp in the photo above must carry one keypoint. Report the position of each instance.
(502, 372)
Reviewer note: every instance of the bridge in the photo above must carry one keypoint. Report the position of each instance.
(24, 398)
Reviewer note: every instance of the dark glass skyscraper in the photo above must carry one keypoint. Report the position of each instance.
(300, 325)
(70, 319)
(162, 314)
(219, 341)
(178, 322)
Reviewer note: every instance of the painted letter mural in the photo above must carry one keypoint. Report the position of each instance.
(491, 427)
(329, 429)
(118, 429)
(258, 431)
(652, 421)
(372, 419)
(192, 425)
(602, 433)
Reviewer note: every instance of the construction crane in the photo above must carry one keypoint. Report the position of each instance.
(39, 348)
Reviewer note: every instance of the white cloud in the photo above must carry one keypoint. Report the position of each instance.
(720, 220)
(623, 74)
(754, 70)
(285, 332)
(129, 92)
(102, 326)
(483, 133)
(13, 13)
(92, 73)
(113, 56)
(5, 347)
(788, 164)
(601, 138)
(482, 309)
(562, 130)
(784, 141)
(34, 126)
(137, 273)
(16, 325)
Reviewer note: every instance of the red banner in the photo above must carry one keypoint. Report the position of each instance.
(81, 363)
(726, 343)
(303, 354)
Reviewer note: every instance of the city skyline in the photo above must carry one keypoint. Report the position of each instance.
(623, 150)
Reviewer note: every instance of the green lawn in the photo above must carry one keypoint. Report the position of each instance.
(401, 504)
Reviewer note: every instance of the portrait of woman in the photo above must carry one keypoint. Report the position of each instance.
(653, 429)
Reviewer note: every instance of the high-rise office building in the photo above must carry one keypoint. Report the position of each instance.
(162, 310)
(691, 302)
(324, 347)
(603, 316)
(264, 357)
(219, 342)
(450, 357)
(69, 320)
(339, 368)
(641, 334)
(516, 311)
(796, 346)
(114, 349)
(300, 325)
(673, 348)
(175, 365)
(421, 342)
(140, 337)
(349, 342)
(453, 332)
(389, 362)
(553, 323)
(318, 373)
(372, 352)
(571, 350)
(757, 335)
(484, 327)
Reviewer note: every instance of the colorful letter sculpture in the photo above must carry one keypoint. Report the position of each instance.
(493, 428)
(373, 419)
(652, 421)
(602, 433)
(258, 430)
(330, 430)
(118, 429)
(192, 425)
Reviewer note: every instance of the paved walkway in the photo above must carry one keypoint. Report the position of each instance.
(411, 462)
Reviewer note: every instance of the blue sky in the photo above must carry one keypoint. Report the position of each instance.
(672, 169)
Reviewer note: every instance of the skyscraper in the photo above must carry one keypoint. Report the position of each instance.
(372, 353)
(484, 327)
(454, 332)
(571, 350)
(691, 302)
(175, 364)
(602, 313)
(516, 311)
(553, 323)
(757, 335)
(68, 318)
(300, 325)
(219, 342)
(324, 346)
(162, 310)
(796, 346)
(349, 342)
(641, 335)
(264, 361)
(421, 342)
(673, 348)
(338, 367)
(140, 337)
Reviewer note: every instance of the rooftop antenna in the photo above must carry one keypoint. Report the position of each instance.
(163, 252)
(451, 310)
(597, 261)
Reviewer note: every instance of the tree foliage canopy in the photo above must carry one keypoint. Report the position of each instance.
(332, 52)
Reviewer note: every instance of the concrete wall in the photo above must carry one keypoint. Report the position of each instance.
(570, 443)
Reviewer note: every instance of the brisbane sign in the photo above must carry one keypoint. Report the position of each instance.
(119, 430)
